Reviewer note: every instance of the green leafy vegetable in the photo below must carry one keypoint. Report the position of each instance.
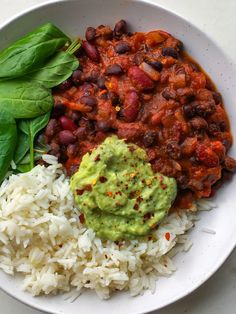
(74, 46)
(24, 99)
(56, 70)
(28, 69)
(8, 136)
(22, 147)
(23, 167)
(31, 127)
(31, 51)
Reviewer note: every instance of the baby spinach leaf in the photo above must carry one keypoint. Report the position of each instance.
(23, 168)
(8, 136)
(31, 50)
(22, 147)
(31, 127)
(55, 71)
(24, 99)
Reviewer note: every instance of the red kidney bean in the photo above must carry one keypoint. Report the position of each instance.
(114, 69)
(131, 106)
(207, 156)
(67, 124)
(66, 137)
(122, 47)
(120, 28)
(52, 128)
(90, 33)
(171, 52)
(90, 101)
(80, 133)
(140, 79)
(55, 148)
(91, 51)
(72, 150)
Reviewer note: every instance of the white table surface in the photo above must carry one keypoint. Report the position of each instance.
(218, 19)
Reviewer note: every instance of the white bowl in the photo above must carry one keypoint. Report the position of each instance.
(209, 251)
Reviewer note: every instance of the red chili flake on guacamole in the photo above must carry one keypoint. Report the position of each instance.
(79, 192)
(88, 187)
(136, 206)
(81, 218)
(102, 179)
(167, 236)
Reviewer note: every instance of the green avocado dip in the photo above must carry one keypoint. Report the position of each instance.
(119, 194)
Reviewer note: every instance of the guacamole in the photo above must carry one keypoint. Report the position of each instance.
(118, 193)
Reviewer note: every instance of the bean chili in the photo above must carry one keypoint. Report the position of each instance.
(146, 89)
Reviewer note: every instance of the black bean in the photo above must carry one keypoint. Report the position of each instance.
(114, 97)
(75, 115)
(229, 164)
(189, 110)
(58, 110)
(217, 97)
(205, 109)
(103, 125)
(89, 101)
(114, 69)
(173, 150)
(149, 138)
(182, 181)
(122, 47)
(120, 28)
(223, 126)
(157, 65)
(101, 82)
(169, 93)
(90, 33)
(213, 128)
(92, 76)
(198, 123)
(66, 84)
(77, 77)
(169, 51)
(66, 137)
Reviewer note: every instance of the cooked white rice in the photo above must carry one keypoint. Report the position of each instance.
(42, 238)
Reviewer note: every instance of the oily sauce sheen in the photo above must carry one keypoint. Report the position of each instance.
(144, 88)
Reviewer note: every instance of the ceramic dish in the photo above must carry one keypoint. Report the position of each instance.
(209, 251)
